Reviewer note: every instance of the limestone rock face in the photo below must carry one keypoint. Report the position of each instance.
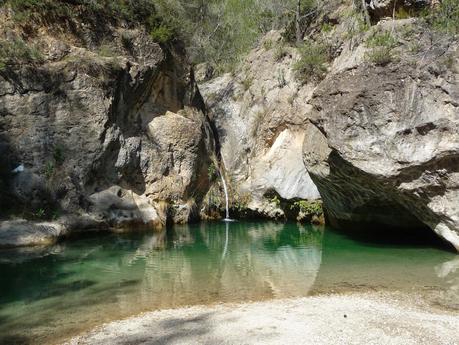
(259, 126)
(383, 146)
(183, 139)
(86, 127)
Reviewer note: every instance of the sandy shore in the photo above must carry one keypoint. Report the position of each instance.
(336, 319)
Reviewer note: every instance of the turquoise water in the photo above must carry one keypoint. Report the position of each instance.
(52, 293)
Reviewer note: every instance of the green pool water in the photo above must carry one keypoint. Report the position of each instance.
(49, 294)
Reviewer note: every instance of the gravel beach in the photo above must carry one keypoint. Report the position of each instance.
(363, 318)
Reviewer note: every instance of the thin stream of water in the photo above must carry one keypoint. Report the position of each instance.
(225, 188)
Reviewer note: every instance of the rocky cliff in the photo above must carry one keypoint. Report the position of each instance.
(107, 130)
(384, 143)
(102, 127)
(376, 110)
(260, 128)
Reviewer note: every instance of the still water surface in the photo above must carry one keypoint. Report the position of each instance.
(49, 294)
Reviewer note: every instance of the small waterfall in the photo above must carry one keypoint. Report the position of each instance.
(225, 188)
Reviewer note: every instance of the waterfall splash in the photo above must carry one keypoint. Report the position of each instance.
(225, 188)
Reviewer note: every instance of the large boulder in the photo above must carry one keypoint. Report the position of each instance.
(383, 143)
(17, 233)
(122, 208)
(179, 155)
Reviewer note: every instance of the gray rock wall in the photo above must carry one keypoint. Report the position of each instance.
(123, 139)
(379, 137)
(383, 146)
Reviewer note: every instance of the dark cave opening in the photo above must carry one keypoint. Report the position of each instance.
(377, 234)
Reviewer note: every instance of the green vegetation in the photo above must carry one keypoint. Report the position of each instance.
(311, 65)
(309, 208)
(275, 200)
(357, 23)
(298, 22)
(93, 12)
(55, 215)
(212, 171)
(326, 27)
(219, 32)
(16, 51)
(402, 13)
(446, 17)
(49, 170)
(59, 14)
(415, 47)
(381, 48)
(47, 213)
(40, 213)
(49, 11)
(384, 39)
(58, 155)
(162, 34)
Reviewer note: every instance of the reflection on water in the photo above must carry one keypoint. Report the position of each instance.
(47, 294)
(449, 272)
(72, 286)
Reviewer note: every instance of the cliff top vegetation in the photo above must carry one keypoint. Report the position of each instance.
(217, 32)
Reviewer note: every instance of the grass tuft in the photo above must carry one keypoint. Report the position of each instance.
(312, 64)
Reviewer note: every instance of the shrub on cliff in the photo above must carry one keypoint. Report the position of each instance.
(17, 51)
(161, 34)
(381, 48)
(311, 208)
(446, 16)
(311, 66)
(52, 10)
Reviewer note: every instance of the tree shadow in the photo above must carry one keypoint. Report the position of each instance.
(14, 340)
(182, 328)
(173, 330)
(8, 159)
